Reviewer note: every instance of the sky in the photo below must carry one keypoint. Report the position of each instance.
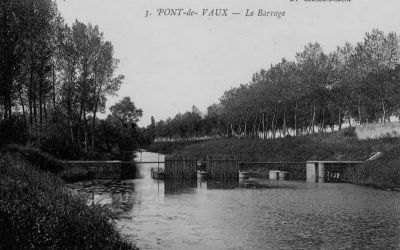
(171, 63)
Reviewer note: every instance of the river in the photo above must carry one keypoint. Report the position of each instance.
(257, 214)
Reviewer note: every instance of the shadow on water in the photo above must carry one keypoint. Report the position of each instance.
(119, 194)
(181, 186)
(130, 170)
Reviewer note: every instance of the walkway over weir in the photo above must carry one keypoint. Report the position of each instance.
(328, 171)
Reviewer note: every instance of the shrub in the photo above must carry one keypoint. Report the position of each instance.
(383, 172)
(35, 157)
(35, 212)
(13, 130)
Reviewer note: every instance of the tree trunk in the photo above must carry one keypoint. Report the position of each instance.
(54, 88)
(259, 125)
(93, 126)
(69, 117)
(284, 122)
(313, 118)
(254, 126)
(295, 119)
(359, 110)
(245, 128)
(323, 120)
(273, 126)
(383, 111)
(263, 126)
(41, 100)
(35, 110)
(85, 132)
(30, 110)
(45, 111)
(21, 101)
(30, 95)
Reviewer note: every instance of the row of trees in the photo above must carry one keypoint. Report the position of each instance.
(355, 83)
(56, 78)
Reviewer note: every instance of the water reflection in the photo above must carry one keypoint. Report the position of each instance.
(251, 214)
(179, 186)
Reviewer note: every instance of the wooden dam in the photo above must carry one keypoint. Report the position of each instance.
(216, 167)
(222, 167)
(228, 167)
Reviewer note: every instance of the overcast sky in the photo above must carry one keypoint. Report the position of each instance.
(173, 63)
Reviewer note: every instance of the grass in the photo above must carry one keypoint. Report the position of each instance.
(35, 157)
(341, 145)
(46, 162)
(37, 213)
(170, 147)
(382, 173)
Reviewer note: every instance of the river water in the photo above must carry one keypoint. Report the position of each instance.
(256, 214)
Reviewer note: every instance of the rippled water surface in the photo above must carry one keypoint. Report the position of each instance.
(256, 214)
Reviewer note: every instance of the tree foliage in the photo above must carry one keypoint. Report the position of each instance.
(55, 79)
(316, 92)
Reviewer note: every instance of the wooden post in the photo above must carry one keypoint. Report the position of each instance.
(321, 172)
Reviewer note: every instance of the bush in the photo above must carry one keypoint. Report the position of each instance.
(383, 172)
(349, 132)
(35, 212)
(35, 157)
(13, 130)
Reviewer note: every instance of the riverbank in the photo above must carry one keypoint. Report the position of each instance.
(382, 173)
(344, 145)
(37, 212)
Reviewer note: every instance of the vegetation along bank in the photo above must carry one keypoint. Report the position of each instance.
(36, 212)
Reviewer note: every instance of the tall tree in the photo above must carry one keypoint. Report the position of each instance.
(312, 62)
(104, 81)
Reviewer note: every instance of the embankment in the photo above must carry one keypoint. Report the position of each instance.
(37, 213)
(378, 130)
(342, 146)
(382, 173)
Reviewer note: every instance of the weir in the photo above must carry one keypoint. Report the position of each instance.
(99, 169)
(216, 167)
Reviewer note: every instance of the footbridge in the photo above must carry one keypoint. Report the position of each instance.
(332, 171)
(328, 171)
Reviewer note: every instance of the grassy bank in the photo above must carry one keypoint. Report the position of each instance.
(46, 162)
(36, 212)
(342, 145)
(383, 173)
(170, 147)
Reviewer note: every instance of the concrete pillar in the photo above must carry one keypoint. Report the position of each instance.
(273, 174)
(321, 172)
(311, 172)
(283, 175)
